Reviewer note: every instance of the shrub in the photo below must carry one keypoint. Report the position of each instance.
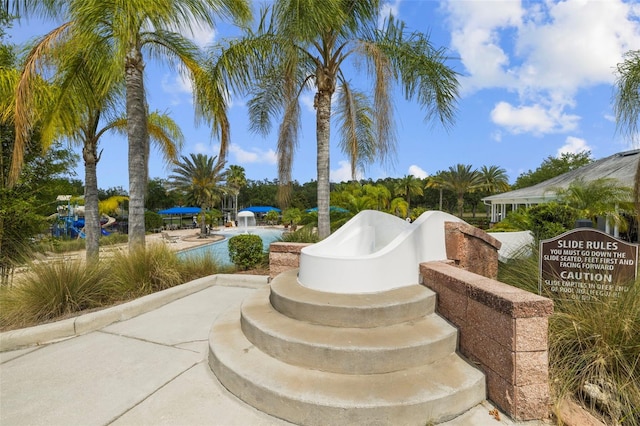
(245, 251)
(114, 238)
(194, 267)
(144, 271)
(50, 290)
(305, 234)
(152, 220)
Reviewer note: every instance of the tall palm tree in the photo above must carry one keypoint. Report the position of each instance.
(235, 179)
(494, 179)
(84, 108)
(199, 176)
(134, 27)
(627, 105)
(407, 186)
(461, 179)
(302, 46)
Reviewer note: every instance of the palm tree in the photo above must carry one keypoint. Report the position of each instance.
(436, 181)
(408, 186)
(399, 207)
(494, 179)
(460, 179)
(601, 197)
(627, 105)
(83, 109)
(129, 27)
(236, 180)
(199, 176)
(303, 46)
(380, 194)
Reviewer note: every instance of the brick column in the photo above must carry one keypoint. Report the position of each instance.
(471, 248)
(503, 330)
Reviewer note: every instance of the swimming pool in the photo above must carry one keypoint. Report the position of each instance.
(220, 249)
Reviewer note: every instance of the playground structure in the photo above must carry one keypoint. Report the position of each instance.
(70, 219)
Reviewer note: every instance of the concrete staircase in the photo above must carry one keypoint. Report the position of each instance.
(315, 358)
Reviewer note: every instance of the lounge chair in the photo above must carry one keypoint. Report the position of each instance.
(170, 238)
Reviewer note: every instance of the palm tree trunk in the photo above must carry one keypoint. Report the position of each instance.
(91, 214)
(203, 221)
(138, 140)
(323, 116)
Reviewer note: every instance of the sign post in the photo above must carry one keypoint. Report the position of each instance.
(586, 264)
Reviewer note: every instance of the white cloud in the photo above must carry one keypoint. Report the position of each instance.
(417, 171)
(343, 172)
(307, 102)
(543, 51)
(177, 86)
(388, 8)
(533, 119)
(201, 35)
(254, 155)
(202, 148)
(573, 145)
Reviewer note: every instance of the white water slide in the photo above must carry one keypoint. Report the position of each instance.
(374, 252)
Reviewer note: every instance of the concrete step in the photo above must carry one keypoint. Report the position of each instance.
(431, 393)
(349, 310)
(347, 350)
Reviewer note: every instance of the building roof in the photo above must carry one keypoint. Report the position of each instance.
(260, 209)
(181, 210)
(621, 166)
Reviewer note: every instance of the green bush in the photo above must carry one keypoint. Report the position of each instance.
(50, 290)
(152, 220)
(245, 251)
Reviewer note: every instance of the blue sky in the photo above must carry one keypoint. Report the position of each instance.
(536, 80)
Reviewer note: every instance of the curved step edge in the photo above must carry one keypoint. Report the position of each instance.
(435, 393)
(345, 350)
(292, 299)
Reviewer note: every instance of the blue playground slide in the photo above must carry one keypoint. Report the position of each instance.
(76, 229)
(75, 232)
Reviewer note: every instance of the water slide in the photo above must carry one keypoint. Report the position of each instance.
(374, 252)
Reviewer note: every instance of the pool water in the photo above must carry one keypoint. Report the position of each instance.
(220, 249)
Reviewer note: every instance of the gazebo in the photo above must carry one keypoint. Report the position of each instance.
(180, 211)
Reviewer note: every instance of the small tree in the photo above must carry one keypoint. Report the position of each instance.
(272, 217)
(291, 216)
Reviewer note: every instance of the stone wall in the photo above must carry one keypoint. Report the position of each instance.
(503, 330)
(471, 248)
(283, 257)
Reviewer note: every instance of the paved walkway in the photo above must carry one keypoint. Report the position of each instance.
(147, 366)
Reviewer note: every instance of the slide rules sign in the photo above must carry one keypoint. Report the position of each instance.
(587, 264)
